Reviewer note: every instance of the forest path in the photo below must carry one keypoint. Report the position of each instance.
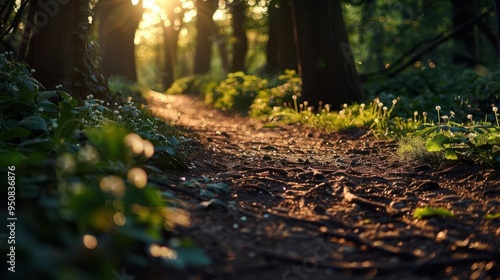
(305, 204)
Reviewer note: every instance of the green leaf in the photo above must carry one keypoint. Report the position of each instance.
(16, 132)
(435, 144)
(110, 139)
(39, 145)
(44, 95)
(34, 122)
(450, 154)
(493, 216)
(426, 212)
(8, 157)
(67, 129)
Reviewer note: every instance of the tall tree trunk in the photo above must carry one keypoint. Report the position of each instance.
(281, 50)
(206, 32)
(465, 52)
(326, 63)
(118, 21)
(53, 46)
(170, 38)
(240, 45)
(496, 4)
(59, 47)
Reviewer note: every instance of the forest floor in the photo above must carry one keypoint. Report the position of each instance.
(307, 204)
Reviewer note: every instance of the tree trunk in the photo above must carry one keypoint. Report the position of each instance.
(325, 58)
(496, 4)
(206, 31)
(465, 52)
(118, 21)
(240, 45)
(53, 46)
(170, 38)
(281, 50)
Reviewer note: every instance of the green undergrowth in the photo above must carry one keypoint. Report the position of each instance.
(78, 182)
(403, 108)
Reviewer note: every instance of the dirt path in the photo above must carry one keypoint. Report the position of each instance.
(312, 205)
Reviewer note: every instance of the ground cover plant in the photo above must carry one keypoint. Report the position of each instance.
(84, 205)
(469, 131)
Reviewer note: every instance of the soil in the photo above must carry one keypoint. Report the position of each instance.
(308, 204)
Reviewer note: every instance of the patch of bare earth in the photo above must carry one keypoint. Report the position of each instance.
(306, 204)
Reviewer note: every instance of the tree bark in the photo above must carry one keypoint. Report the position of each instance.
(240, 45)
(281, 49)
(118, 21)
(170, 39)
(206, 32)
(496, 4)
(327, 66)
(52, 49)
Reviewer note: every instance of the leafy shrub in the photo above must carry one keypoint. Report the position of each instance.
(280, 91)
(84, 205)
(236, 92)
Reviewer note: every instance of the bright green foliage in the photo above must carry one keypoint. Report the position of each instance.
(493, 216)
(82, 199)
(477, 142)
(426, 212)
(236, 93)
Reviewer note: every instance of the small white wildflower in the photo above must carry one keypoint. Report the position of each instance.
(380, 104)
(385, 108)
(116, 104)
(495, 109)
(345, 105)
(424, 114)
(59, 86)
(445, 118)
(438, 108)
(415, 113)
(129, 98)
(469, 116)
(362, 105)
(119, 117)
(32, 71)
(452, 114)
(394, 101)
(116, 112)
(119, 107)
(40, 110)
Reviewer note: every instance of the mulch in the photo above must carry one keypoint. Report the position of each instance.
(308, 204)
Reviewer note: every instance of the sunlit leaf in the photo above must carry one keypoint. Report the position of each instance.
(426, 212)
(435, 144)
(493, 216)
(450, 154)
